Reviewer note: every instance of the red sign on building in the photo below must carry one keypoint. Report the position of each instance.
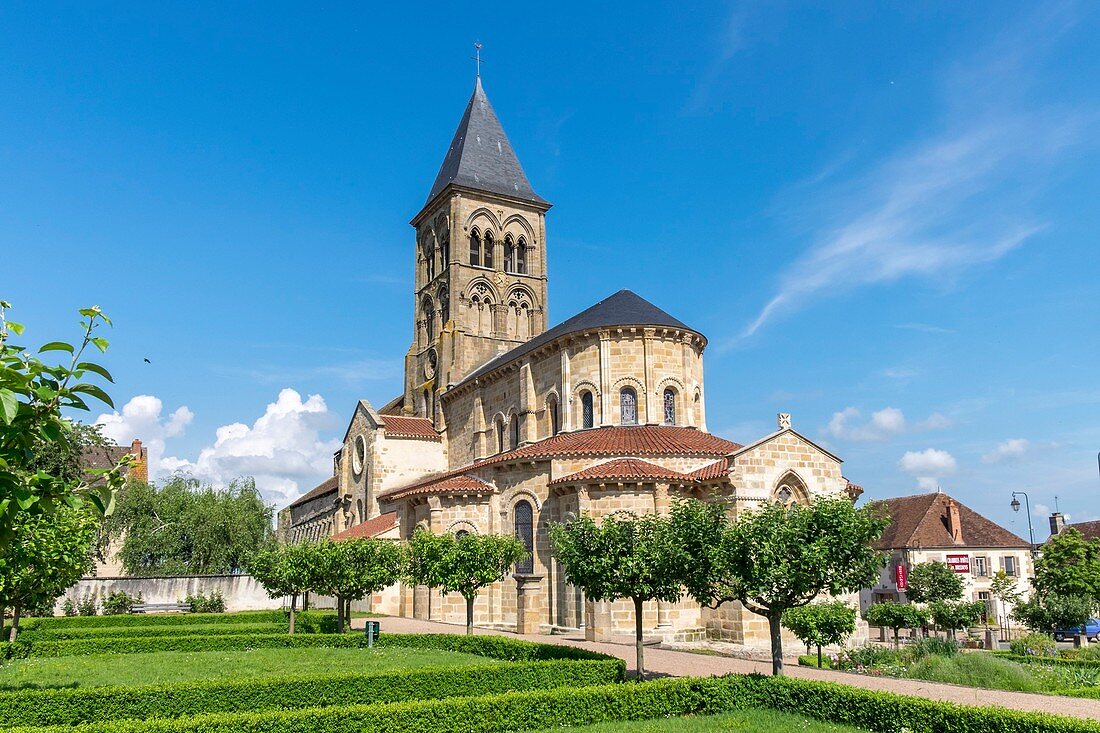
(900, 576)
(959, 563)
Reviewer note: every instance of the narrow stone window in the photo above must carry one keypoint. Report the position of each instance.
(487, 260)
(588, 416)
(429, 320)
(444, 308)
(475, 248)
(444, 250)
(670, 406)
(509, 254)
(500, 436)
(555, 418)
(521, 257)
(525, 533)
(628, 406)
(515, 432)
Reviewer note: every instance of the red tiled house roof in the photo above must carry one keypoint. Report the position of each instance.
(442, 484)
(1091, 530)
(370, 528)
(922, 521)
(624, 469)
(328, 486)
(400, 426)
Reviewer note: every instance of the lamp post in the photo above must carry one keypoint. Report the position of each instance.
(1027, 505)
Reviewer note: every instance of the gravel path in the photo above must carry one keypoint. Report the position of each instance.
(682, 664)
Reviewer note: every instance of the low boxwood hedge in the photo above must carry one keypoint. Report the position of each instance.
(141, 619)
(59, 633)
(86, 705)
(880, 711)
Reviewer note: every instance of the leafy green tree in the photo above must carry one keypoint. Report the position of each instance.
(624, 556)
(896, 616)
(821, 624)
(1005, 589)
(776, 558)
(1069, 566)
(1047, 612)
(955, 615)
(352, 569)
(464, 564)
(290, 570)
(33, 396)
(46, 555)
(184, 528)
(933, 581)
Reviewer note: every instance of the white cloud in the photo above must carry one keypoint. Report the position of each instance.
(141, 418)
(935, 421)
(928, 466)
(883, 424)
(282, 449)
(1008, 450)
(899, 373)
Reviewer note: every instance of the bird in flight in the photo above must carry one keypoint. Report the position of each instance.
(147, 360)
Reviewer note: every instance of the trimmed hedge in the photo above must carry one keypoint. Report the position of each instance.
(141, 619)
(87, 705)
(1031, 659)
(582, 706)
(95, 632)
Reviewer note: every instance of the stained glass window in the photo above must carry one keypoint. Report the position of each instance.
(628, 406)
(670, 406)
(526, 534)
(588, 417)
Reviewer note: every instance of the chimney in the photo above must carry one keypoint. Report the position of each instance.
(1057, 523)
(954, 524)
(139, 468)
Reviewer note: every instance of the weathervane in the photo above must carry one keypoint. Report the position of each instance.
(477, 57)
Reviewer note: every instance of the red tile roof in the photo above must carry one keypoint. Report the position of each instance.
(442, 484)
(718, 469)
(624, 469)
(400, 426)
(370, 528)
(1091, 530)
(921, 521)
(327, 487)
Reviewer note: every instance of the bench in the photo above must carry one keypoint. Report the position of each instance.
(161, 608)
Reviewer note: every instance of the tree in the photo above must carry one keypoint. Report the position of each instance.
(1005, 589)
(1069, 566)
(933, 581)
(821, 624)
(464, 564)
(955, 615)
(286, 571)
(184, 528)
(776, 558)
(47, 553)
(33, 396)
(1048, 612)
(351, 569)
(624, 556)
(896, 616)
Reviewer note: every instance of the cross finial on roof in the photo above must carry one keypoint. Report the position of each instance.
(783, 420)
(477, 57)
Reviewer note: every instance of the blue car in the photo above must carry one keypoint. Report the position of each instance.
(1091, 630)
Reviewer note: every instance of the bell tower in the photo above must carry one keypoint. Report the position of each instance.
(480, 258)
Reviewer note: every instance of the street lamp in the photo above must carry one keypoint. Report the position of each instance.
(1027, 505)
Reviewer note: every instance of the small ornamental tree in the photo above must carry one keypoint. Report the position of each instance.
(955, 615)
(624, 556)
(1005, 589)
(776, 558)
(933, 581)
(896, 616)
(46, 555)
(1047, 612)
(286, 571)
(1069, 566)
(351, 569)
(427, 558)
(821, 624)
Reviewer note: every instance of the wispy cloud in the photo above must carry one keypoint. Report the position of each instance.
(353, 373)
(883, 424)
(1007, 451)
(924, 328)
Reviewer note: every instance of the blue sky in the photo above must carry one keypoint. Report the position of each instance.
(882, 216)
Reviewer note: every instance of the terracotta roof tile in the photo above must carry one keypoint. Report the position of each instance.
(711, 471)
(370, 528)
(623, 469)
(326, 487)
(921, 521)
(1091, 530)
(442, 484)
(409, 427)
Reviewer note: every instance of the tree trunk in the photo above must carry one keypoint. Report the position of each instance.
(293, 603)
(897, 638)
(339, 614)
(347, 612)
(819, 656)
(305, 601)
(638, 639)
(777, 641)
(14, 623)
(470, 615)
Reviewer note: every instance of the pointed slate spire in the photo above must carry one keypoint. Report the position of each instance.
(480, 156)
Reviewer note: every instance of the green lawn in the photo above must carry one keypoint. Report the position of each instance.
(99, 670)
(744, 721)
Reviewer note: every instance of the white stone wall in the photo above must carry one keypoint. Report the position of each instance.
(241, 592)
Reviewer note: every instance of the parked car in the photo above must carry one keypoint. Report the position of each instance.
(1091, 630)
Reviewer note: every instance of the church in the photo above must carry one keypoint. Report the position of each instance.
(507, 424)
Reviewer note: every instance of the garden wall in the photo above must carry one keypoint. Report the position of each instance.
(241, 592)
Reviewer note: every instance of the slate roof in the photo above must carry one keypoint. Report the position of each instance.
(370, 528)
(624, 469)
(328, 486)
(481, 157)
(103, 456)
(409, 427)
(921, 521)
(624, 308)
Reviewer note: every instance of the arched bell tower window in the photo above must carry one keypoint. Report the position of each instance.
(525, 533)
(509, 254)
(515, 431)
(444, 250)
(429, 257)
(521, 256)
(588, 410)
(428, 314)
(628, 406)
(444, 308)
(670, 406)
(475, 248)
(487, 260)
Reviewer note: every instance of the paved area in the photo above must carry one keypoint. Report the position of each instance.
(680, 664)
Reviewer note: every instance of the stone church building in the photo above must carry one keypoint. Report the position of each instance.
(506, 425)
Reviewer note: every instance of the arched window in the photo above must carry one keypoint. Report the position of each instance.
(429, 257)
(670, 406)
(444, 308)
(487, 260)
(444, 250)
(475, 248)
(428, 404)
(525, 533)
(628, 406)
(461, 533)
(588, 410)
(429, 319)
(784, 495)
(509, 254)
(555, 417)
(521, 257)
(500, 435)
(515, 432)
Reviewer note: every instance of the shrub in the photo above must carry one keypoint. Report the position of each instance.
(213, 603)
(932, 646)
(68, 607)
(120, 602)
(87, 606)
(821, 624)
(1037, 645)
(896, 616)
